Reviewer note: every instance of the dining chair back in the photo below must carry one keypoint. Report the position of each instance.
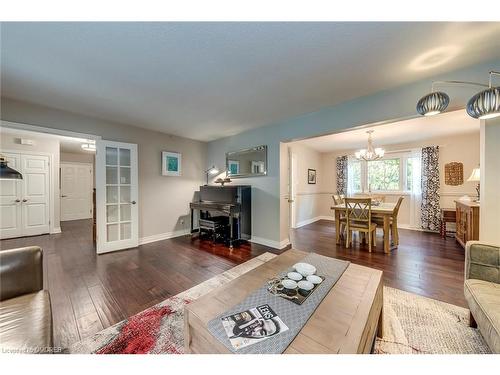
(359, 218)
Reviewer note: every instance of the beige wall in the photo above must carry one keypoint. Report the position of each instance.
(11, 142)
(489, 230)
(163, 201)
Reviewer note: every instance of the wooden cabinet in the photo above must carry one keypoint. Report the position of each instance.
(467, 222)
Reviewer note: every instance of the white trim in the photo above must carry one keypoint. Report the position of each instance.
(313, 220)
(45, 130)
(163, 236)
(270, 243)
(56, 230)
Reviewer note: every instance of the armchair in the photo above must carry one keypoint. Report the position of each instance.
(482, 290)
(25, 311)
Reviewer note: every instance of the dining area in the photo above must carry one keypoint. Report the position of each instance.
(365, 214)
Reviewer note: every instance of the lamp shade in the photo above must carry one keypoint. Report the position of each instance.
(475, 175)
(433, 103)
(485, 104)
(8, 173)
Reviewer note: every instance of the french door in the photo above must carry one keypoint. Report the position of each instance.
(116, 196)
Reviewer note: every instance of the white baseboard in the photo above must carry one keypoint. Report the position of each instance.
(313, 220)
(56, 230)
(270, 243)
(163, 236)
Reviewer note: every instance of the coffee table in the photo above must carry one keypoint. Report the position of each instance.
(345, 322)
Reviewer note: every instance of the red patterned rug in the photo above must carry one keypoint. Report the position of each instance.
(160, 328)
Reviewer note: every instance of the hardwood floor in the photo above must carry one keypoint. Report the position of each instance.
(91, 292)
(423, 263)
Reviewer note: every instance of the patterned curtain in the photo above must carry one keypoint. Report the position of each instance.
(430, 210)
(342, 175)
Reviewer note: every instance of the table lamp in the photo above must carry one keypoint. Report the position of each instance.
(213, 170)
(476, 177)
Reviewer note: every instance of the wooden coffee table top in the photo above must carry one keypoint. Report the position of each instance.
(346, 321)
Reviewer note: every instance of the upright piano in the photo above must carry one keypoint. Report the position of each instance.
(233, 202)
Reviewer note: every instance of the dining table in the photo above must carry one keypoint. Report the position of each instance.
(384, 211)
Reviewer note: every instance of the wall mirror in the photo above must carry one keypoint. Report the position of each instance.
(250, 162)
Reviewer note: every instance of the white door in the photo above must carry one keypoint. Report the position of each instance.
(10, 201)
(76, 191)
(35, 194)
(116, 196)
(292, 186)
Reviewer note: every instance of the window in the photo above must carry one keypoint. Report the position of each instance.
(384, 174)
(392, 173)
(354, 173)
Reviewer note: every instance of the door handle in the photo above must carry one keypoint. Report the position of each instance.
(17, 200)
(25, 200)
(290, 201)
(133, 202)
(63, 196)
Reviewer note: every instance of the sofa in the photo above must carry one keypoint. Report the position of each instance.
(25, 310)
(482, 290)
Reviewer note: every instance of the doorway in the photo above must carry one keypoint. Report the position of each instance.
(77, 183)
(115, 216)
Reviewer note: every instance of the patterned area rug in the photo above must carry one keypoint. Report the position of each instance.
(413, 324)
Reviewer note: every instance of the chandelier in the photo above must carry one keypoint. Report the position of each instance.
(370, 153)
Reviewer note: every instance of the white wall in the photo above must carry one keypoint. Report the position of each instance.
(163, 201)
(489, 221)
(41, 144)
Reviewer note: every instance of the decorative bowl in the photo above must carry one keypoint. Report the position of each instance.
(314, 279)
(305, 285)
(294, 276)
(289, 284)
(305, 269)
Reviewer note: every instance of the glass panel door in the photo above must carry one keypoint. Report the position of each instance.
(116, 191)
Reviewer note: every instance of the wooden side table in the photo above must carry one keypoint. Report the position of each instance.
(448, 215)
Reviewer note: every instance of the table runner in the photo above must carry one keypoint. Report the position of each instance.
(293, 315)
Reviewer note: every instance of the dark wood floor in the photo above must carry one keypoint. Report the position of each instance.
(91, 292)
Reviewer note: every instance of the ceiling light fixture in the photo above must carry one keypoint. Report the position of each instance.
(370, 153)
(483, 105)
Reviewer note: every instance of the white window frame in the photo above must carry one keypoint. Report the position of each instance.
(403, 183)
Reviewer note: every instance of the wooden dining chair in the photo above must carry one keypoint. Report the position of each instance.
(359, 218)
(393, 221)
(337, 200)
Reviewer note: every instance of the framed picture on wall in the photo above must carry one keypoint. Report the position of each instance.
(311, 176)
(234, 166)
(171, 163)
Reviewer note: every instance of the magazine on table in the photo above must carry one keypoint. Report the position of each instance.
(252, 326)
